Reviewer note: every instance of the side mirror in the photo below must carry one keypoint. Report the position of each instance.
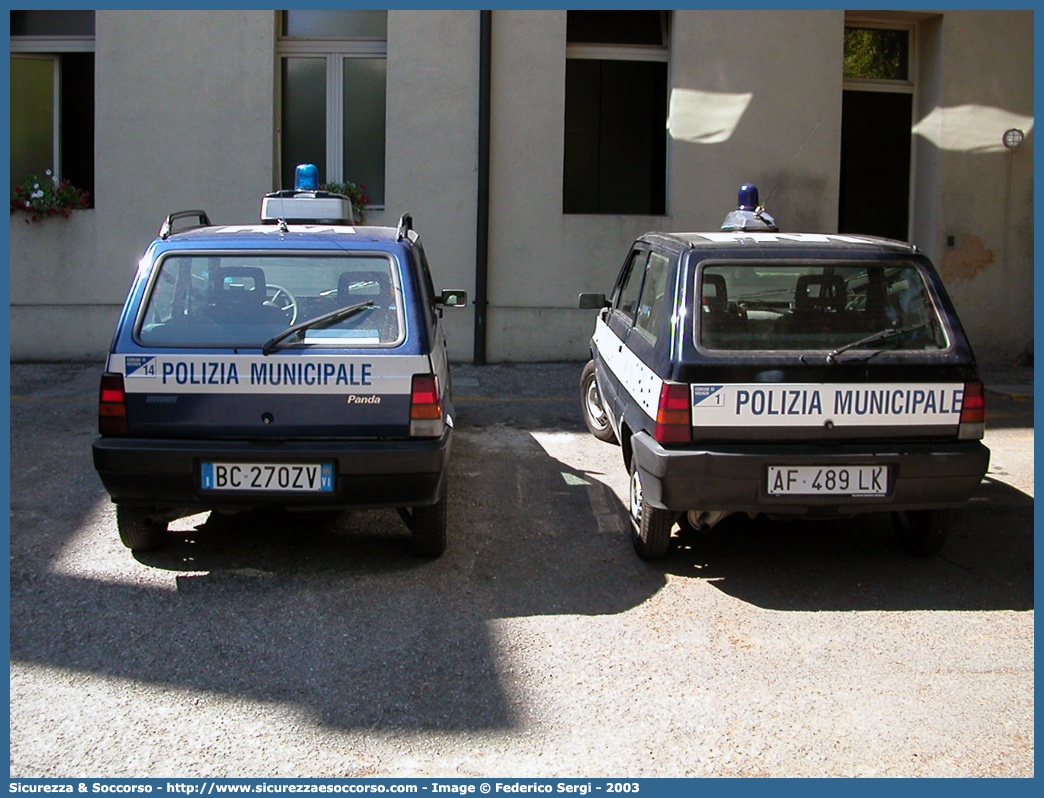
(592, 302)
(453, 298)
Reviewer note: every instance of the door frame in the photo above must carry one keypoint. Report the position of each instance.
(907, 86)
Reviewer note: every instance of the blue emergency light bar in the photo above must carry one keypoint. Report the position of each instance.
(306, 177)
(305, 203)
(749, 214)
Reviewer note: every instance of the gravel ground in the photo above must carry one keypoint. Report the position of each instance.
(539, 645)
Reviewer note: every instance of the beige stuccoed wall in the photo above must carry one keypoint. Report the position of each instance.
(540, 259)
(773, 79)
(431, 157)
(982, 240)
(784, 136)
(53, 265)
(184, 120)
(778, 115)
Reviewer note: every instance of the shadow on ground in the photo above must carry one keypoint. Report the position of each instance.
(856, 564)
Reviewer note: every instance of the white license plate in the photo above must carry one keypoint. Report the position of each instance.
(828, 480)
(283, 477)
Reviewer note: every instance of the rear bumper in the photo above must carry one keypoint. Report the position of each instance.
(735, 478)
(167, 473)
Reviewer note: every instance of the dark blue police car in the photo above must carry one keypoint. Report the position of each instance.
(792, 375)
(298, 363)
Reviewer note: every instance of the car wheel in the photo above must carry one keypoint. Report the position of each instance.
(595, 417)
(140, 531)
(921, 532)
(428, 527)
(650, 526)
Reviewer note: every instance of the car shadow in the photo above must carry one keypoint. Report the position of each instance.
(330, 615)
(858, 565)
(333, 617)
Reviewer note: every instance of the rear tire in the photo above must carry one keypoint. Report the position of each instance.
(139, 530)
(650, 526)
(595, 417)
(921, 532)
(428, 527)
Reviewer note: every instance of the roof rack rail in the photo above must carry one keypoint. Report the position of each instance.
(405, 226)
(290, 193)
(165, 228)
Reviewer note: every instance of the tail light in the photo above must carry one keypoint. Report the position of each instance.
(425, 407)
(112, 406)
(973, 412)
(674, 414)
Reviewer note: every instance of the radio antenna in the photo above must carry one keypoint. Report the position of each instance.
(792, 157)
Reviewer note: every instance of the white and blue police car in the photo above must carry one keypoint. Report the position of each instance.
(748, 370)
(298, 363)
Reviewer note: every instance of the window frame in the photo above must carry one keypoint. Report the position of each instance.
(334, 52)
(909, 86)
(905, 86)
(52, 44)
(619, 52)
(648, 53)
(52, 48)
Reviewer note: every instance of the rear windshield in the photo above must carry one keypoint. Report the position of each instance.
(815, 306)
(242, 299)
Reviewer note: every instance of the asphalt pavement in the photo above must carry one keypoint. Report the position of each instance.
(268, 645)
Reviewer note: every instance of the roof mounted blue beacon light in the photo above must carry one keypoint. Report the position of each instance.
(305, 203)
(306, 177)
(748, 197)
(749, 215)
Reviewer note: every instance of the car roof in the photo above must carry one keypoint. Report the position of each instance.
(782, 242)
(288, 237)
(266, 232)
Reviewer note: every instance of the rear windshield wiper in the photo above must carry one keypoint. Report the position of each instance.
(332, 317)
(883, 335)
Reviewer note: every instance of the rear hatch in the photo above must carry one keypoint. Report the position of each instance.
(269, 345)
(826, 349)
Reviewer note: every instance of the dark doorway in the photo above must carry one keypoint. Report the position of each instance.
(875, 163)
(615, 140)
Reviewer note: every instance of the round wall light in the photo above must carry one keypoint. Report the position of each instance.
(1013, 138)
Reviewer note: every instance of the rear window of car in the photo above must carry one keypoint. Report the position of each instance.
(786, 306)
(245, 299)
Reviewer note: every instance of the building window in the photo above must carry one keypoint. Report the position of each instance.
(877, 54)
(876, 120)
(616, 112)
(333, 96)
(52, 96)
